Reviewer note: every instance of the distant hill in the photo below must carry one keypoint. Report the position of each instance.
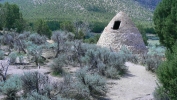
(89, 10)
(150, 4)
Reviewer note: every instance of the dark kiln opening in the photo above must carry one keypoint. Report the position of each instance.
(116, 25)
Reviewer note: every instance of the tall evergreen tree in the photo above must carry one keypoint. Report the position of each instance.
(42, 28)
(12, 14)
(20, 24)
(2, 16)
(165, 20)
(11, 18)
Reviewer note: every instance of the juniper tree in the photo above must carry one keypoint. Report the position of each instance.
(165, 22)
(42, 28)
(166, 73)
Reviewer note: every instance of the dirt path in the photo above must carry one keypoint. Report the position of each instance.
(138, 84)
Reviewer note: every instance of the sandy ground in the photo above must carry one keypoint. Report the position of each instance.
(137, 84)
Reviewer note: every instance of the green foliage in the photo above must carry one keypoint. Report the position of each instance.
(81, 29)
(92, 40)
(12, 13)
(160, 94)
(97, 27)
(143, 33)
(11, 87)
(20, 24)
(37, 39)
(67, 26)
(166, 73)
(53, 25)
(1, 55)
(2, 16)
(42, 28)
(11, 17)
(165, 22)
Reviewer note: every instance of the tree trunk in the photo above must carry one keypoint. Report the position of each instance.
(3, 77)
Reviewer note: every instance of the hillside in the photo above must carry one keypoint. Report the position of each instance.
(89, 10)
(150, 4)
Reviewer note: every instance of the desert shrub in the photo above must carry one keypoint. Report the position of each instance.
(117, 61)
(12, 57)
(24, 35)
(89, 84)
(128, 55)
(152, 62)
(112, 73)
(21, 59)
(83, 85)
(60, 98)
(61, 38)
(8, 39)
(35, 51)
(37, 39)
(67, 88)
(99, 60)
(102, 61)
(166, 73)
(156, 50)
(35, 82)
(35, 96)
(1, 55)
(58, 64)
(20, 42)
(154, 58)
(11, 87)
